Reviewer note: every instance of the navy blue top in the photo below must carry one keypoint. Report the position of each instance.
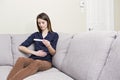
(38, 45)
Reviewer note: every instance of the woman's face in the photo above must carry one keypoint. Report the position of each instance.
(42, 24)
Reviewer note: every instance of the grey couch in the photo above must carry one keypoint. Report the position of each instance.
(82, 56)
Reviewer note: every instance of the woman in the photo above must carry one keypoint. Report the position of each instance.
(41, 57)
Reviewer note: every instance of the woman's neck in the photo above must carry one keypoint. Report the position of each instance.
(44, 33)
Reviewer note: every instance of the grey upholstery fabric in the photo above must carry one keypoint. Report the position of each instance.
(17, 39)
(51, 74)
(87, 54)
(83, 56)
(111, 71)
(4, 71)
(6, 57)
(62, 48)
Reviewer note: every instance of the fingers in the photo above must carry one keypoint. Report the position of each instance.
(46, 42)
(41, 53)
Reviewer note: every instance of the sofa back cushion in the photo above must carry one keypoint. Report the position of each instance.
(87, 54)
(61, 49)
(17, 39)
(6, 57)
(111, 71)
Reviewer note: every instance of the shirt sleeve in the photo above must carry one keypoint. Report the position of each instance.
(55, 40)
(28, 41)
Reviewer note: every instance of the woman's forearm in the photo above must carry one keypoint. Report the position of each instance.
(26, 50)
(51, 50)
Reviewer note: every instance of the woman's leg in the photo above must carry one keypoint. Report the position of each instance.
(34, 67)
(44, 65)
(20, 64)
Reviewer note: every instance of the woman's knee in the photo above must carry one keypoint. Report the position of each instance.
(43, 65)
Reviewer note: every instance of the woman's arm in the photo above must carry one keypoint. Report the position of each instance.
(50, 48)
(28, 51)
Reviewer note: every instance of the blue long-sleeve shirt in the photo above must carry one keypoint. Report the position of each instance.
(38, 45)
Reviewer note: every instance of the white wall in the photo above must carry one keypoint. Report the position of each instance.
(117, 14)
(100, 15)
(18, 16)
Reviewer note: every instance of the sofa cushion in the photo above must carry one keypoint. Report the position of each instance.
(17, 39)
(51, 74)
(111, 71)
(61, 49)
(6, 57)
(4, 71)
(87, 54)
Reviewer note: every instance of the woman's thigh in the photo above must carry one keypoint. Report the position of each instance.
(41, 64)
(25, 61)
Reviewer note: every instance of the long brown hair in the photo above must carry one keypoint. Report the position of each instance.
(45, 17)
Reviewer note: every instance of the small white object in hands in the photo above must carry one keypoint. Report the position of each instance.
(38, 40)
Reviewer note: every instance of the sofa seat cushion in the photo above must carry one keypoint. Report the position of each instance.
(4, 71)
(51, 74)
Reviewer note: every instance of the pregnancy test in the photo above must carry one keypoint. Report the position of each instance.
(38, 40)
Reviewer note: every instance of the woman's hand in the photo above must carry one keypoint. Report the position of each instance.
(49, 46)
(46, 43)
(40, 53)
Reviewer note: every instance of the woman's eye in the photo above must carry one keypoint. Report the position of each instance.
(38, 22)
(42, 22)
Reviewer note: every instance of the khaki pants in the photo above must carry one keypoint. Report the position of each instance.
(25, 67)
